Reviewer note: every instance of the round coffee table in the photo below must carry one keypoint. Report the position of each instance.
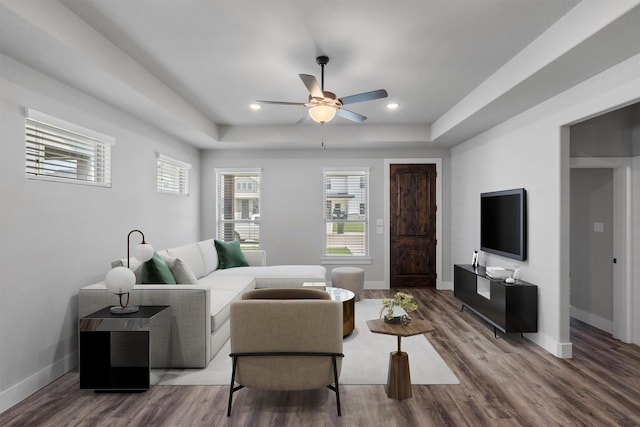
(348, 307)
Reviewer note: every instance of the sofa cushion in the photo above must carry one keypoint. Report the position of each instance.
(183, 274)
(180, 270)
(209, 256)
(223, 292)
(236, 283)
(230, 255)
(156, 270)
(191, 255)
(255, 258)
(278, 276)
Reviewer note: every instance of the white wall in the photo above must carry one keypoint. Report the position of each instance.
(58, 237)
(292, 207)
(531, 150)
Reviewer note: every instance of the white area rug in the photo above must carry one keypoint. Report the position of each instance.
(366, 358)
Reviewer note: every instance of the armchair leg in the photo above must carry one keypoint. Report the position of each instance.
(232, 389)
(335, 386)
(335, 380)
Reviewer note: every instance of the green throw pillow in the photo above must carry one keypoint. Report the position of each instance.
(230, 255)
(156, 270)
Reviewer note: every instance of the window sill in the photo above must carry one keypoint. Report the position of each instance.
(346, 260)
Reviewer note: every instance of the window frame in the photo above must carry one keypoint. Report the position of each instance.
(251, 245)
(181, 175)
(365, 174)
(73, 139)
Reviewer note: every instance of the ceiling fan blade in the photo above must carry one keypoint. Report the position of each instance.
(300, 104)
(312, 85)
(350, 115)
(366, 96)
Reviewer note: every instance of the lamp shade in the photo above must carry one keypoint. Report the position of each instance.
(322, 113)
(143, 252)
(120, 280)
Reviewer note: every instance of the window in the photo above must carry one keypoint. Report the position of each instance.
(173, 176)
(238, 206)
(56, 150)
(346, 223)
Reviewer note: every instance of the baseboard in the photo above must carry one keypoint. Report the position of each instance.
(563, 350)
(591, 319)
(383, 285)
(35, 382)
(445, 286)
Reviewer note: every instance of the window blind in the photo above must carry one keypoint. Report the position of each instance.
(172, 176)
(346, 212)
(53, 151)
(238, 207)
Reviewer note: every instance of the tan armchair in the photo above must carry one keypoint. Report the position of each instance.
(286, 344)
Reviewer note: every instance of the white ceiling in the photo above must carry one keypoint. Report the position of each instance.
(192, 67)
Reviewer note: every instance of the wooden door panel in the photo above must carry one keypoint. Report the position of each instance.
(411, 261)
(409, 185)
(412, 225)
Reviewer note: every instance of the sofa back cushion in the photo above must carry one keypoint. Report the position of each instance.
(209, 256)
(190, 254)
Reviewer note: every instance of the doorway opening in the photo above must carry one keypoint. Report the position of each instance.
(601, 219)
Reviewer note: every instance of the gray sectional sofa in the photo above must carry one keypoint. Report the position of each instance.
(200, 311)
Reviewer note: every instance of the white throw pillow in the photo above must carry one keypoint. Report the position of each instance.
(180, 270)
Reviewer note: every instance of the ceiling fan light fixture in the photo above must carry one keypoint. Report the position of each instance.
(322, 113)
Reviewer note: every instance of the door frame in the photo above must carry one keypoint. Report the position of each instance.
(387, 234)
(622, 240)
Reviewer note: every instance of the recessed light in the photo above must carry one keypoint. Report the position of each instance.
(255, 106)
(392, 105)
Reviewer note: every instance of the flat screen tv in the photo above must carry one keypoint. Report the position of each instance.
(503, 223)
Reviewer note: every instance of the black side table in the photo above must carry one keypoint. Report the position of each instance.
(115, 348)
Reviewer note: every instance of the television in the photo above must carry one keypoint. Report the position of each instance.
(503, 223)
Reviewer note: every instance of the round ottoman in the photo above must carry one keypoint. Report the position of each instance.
(351, 278)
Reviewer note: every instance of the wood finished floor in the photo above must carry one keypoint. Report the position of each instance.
(507, 381)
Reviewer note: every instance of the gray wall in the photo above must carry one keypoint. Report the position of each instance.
(291, 204)
(58, 237)
(592, 251)
(613, 134)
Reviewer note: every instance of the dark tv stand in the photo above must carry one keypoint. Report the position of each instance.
(508, 307)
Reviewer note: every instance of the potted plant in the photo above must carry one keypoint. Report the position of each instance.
(404, 301)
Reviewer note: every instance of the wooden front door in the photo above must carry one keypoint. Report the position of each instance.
(413, 225)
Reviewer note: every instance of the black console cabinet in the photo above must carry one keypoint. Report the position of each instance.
(508, 307)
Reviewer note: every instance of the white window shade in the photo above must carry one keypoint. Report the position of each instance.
(172, 176)
(57, 150)
(346, 213)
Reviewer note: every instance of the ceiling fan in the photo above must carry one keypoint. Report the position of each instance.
(324, 105)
